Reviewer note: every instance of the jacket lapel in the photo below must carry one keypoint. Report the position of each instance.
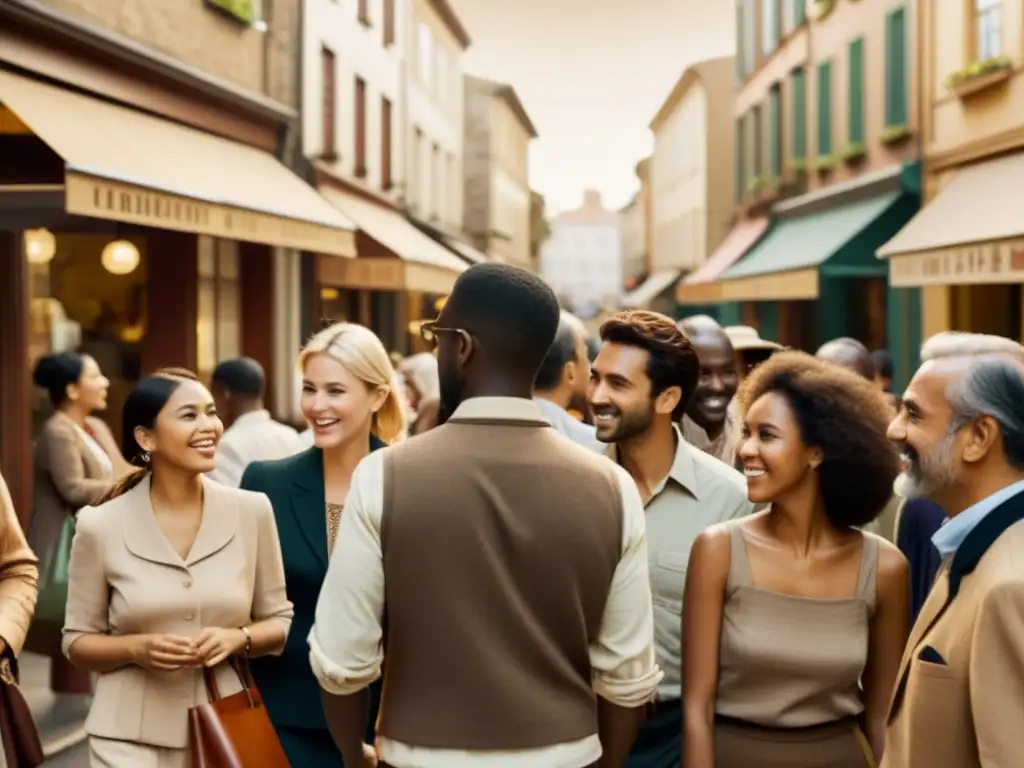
(142, 535)
(220, 521)
(948, 582)
(307, 503)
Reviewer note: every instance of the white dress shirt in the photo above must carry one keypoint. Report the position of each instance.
(957, 528)
(254, 436)
(345, 642)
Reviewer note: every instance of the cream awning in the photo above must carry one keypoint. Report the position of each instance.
(970, 233)
(417, 262)
(641, 296)
(129, 166)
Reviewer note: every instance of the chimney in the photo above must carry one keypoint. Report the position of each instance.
(592, 199)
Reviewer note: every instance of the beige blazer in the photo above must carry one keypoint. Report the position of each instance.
(965, 707)
(18, 576)
(125, 578)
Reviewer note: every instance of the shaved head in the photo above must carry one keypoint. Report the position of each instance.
(848, 353)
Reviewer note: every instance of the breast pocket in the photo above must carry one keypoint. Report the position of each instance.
(668, 578)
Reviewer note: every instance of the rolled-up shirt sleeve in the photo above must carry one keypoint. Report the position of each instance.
(622, 658)
(345, 649)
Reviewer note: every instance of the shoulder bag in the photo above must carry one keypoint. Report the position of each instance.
(233, 731)
(21, 744)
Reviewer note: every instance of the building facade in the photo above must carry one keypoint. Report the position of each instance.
(495, 167)
(826, 170)
(146, 217)
(965, 249)
(691, 175)
(582, 257)
(634, 242)
(433, 128)
(354, 121)
(539, 229)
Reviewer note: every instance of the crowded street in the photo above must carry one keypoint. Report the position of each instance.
(458, 384)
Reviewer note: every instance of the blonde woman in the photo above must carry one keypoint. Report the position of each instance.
(352, 409)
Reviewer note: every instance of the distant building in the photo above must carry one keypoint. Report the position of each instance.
(539, 228)
(497, 207)
(582, 257)
(691, 175)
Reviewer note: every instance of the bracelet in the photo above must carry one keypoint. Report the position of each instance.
(248, 639)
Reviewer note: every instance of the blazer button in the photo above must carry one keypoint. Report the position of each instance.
(188, 617)
(186, 584)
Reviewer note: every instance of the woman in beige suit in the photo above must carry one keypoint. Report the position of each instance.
(76, 463)
(174, 572)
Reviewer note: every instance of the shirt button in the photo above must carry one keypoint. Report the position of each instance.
(188, 617)
(186, 584)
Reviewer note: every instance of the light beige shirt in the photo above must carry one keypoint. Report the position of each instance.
(699, 491)
(253, 437)
(345, 642)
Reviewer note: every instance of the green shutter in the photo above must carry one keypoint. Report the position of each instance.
(800, 10)
(824, 108)
(855, 129)
(896, 107)
(775, 131)
(740, 175)
(799, 115)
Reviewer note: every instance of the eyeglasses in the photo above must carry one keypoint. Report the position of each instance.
(430, 332)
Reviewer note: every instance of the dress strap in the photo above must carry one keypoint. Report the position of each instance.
(867, 582)
(739, 562)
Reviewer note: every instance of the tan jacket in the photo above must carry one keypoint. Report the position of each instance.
(68, 476)
(125, 578)
(18, 576)
(959, 696)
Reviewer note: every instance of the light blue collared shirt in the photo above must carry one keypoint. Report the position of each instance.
(563, 421)
(953, 532)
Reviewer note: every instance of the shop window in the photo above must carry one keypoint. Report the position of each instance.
(364, 12)
(855, 111)
(799, 10)
(218, 304)
(77, 304)
(896, 97)
(758, 141)
(988, 29)
(740, 180)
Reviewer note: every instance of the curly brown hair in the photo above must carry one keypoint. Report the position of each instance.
(672, 360)
(846, 416)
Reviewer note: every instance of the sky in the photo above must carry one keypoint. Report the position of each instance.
(591, 74)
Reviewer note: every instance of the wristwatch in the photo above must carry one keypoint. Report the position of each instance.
(248, 639)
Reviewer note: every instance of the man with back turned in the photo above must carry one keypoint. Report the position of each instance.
(519, 619)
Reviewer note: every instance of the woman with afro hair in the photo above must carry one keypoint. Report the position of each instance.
(795, 619)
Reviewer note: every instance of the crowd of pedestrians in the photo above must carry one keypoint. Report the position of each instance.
(679, 545)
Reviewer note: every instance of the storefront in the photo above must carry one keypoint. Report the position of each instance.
(814, 275)
(139, 222)
(700, 292)
(656, 293)
(398, 276)
(965, 251)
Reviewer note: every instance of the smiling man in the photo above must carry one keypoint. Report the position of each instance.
(708, 418)
(640, 385)
(959, 697)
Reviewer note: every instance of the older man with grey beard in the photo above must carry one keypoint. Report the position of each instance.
(917, 520)
(959, 692)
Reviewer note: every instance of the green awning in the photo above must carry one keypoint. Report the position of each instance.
(838, 240)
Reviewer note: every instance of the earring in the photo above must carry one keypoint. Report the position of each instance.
(145, 457)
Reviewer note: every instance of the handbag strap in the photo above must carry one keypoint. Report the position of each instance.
(241, 667)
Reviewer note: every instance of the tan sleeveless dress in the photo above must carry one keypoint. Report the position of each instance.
(789, 671)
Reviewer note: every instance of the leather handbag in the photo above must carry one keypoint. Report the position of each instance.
(233, 731)
(21, 744)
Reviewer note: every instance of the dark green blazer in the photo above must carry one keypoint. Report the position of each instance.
(295, 487)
